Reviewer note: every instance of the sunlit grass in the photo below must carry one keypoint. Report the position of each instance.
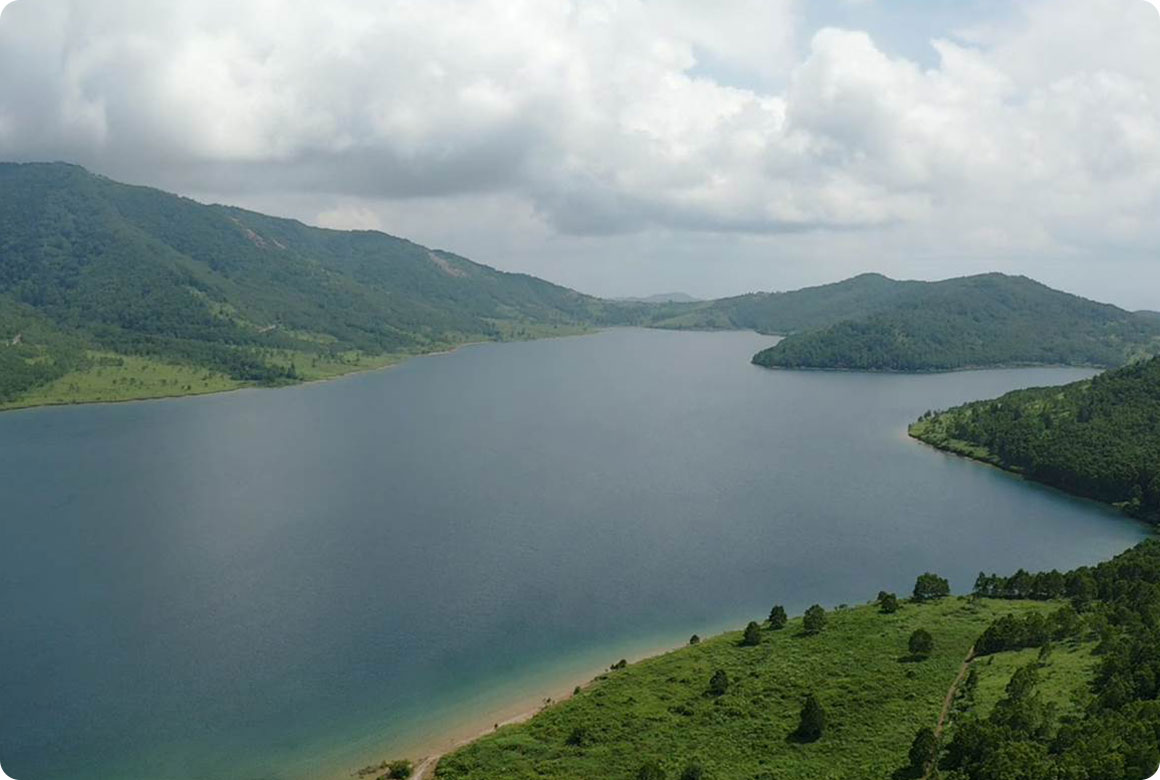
(875, 699)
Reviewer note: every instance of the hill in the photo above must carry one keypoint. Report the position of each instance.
(978, 321)
(673, 297)
(1098, 438)
(786, 312)
(92, 270)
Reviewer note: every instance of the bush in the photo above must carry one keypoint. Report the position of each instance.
(719, 683)
(921, 643)
(399, 770)
(650, 770)
(922, 749)
(930, 586)
(694, 640)
(814, 620)
(693, 771)
(777, 617)
(580, 737)
(813, 720)
(887, 602)
(752, 637)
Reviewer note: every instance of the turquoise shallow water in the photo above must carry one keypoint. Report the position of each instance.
(268, 584)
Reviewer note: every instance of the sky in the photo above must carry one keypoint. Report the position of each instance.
(630, 147)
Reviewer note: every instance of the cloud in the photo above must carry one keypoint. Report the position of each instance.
(1039, 132)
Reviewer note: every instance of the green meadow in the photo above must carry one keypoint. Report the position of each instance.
(874, 694)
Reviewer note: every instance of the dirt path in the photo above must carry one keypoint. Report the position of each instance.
(946, 708)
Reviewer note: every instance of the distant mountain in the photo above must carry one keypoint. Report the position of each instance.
(673, 297)
(786, 312)
(89, 265)
(1098, 438)
(975, 321)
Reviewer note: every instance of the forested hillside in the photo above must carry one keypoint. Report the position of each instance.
(88, 265)
(977, 321)
(1099, 438)
(787, 312)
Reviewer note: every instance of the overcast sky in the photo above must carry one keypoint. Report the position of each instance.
(632, 146)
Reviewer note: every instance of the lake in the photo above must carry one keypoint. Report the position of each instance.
(285, 583)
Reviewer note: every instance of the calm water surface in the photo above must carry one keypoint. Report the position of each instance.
(248, 585)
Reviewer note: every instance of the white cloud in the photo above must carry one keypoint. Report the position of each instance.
(1035, 134)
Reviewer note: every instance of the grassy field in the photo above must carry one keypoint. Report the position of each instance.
(124, 378)
(113, 377)
(1064, 678)
(875, 698)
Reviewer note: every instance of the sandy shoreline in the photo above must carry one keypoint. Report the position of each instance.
(426, 750)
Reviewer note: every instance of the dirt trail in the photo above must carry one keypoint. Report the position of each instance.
(947, 702)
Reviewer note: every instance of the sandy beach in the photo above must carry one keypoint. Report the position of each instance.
(426, 749)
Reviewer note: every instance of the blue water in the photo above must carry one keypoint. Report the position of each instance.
(233, 586)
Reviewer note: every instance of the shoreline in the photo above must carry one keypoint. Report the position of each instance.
(243, 386)
(426, 750)
(992, 462)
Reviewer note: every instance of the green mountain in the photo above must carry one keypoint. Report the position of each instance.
(90, 267)
(1099, 438)
(976, 321)
(787, 312)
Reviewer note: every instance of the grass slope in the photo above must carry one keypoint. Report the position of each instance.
(874, 695)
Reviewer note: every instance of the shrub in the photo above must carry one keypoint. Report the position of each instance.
(719, 683)
(922, 749)
(921, 643)
(650, 770)
(814, 620)
(399, 770)
(580, 737)
(694, 640)
(693, 771)
(752, 637)
(813, 720)
(777, 617)
(887, 602)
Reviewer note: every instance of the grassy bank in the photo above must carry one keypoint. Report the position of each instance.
(108, 377)
(875, 695)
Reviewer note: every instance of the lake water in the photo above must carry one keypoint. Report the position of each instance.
(270, 584)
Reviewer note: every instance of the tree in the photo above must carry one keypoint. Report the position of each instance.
(921, 643)
(814, 620)
(719, 683)
(887, 602)
(777, 617)
(752, 637)
(693, 771)
(930, 586)
(694, 640)
(650, 770)
(922, 749)
(813, 720)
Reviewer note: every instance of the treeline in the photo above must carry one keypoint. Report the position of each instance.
(976, 321)
(1097, 438)
(1117, 734)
